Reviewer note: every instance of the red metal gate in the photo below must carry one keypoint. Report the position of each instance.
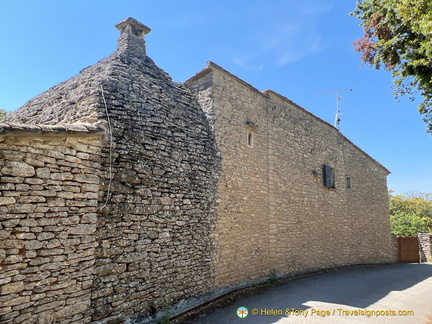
(408, 249)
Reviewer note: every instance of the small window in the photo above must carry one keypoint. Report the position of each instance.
(329, 176)
(348, 182)
(250, 138)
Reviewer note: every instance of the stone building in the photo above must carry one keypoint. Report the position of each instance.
(122, 190)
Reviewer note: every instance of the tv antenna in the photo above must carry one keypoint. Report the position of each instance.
(338, 98)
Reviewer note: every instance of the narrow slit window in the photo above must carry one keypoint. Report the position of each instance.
(348, 182)
(250, 138)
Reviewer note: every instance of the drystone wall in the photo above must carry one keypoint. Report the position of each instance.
(155, 232)
(425, 246)
(395, 248)
(176, 198)
(274, 210)
(48, 214)
(157, 171)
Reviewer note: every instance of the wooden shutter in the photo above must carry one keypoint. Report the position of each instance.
(328, 176)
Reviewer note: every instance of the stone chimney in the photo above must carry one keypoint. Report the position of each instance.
(132, 34)
(132, 26)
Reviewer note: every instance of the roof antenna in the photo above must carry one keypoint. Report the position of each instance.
(338, 98)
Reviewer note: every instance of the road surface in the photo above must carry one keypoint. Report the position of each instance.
(400, 293)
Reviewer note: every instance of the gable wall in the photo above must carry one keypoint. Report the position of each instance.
(273, 211)
(154, 234)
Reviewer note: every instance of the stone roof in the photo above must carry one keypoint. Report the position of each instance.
(75, 100)
(24, 129)
(81, 98)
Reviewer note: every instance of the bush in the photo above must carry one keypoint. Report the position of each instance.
(406, 225)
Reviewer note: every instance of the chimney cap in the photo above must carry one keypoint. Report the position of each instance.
(132, 26)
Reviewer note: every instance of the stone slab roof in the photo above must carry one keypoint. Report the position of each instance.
(25, 129)
(81, 98)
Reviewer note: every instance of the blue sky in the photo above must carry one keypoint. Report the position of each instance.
(296, 48)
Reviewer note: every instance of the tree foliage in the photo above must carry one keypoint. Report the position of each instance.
(406, 225)
(398, 36)
(3, 114)
(411, 213)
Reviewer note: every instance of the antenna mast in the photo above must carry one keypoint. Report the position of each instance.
(338, 98)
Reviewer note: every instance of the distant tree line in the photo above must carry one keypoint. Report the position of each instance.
(411, 213)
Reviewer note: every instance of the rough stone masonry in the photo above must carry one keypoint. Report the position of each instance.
(122, 191)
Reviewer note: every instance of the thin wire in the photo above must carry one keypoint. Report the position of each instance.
(110, 149)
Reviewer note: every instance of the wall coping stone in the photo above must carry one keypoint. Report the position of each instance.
(25, 129)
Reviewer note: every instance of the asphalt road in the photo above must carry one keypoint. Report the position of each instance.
(362, 295)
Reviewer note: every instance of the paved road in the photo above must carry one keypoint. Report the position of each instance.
(335, 297)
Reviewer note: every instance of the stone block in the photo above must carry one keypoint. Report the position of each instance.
(82, 229)
(52, 244)
(61, 176)
(45, 318)
(18, 169)
(55, 154)
(89, 218)
(7, 200)
(12, 259)
(11, 288)
(30, 199)
(12, 179)
(110, 269)
(7, 186)
(22, 208)
(56, 202)
(131, 257)
(32, 245)
(39, 261)
(90, 187)
(45, 236)
(83, 156)
(49, 252)
(67, 150)
(35, 297)
(5, 310)
(28, 222)
(43, 173)
(65, 195)
(34, 162)
(49, 306)
(11, 244)
(25, 236)
(71, 310)
(72, 159)
(34, 181)
(17, 301)
(86, 178)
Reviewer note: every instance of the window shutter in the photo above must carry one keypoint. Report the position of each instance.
(328, 176)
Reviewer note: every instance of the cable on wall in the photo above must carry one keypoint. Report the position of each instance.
(110, 149)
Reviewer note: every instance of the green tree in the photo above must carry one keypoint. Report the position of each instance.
(3, 114)
(406, 225)
(398, 36)
(411, 213)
